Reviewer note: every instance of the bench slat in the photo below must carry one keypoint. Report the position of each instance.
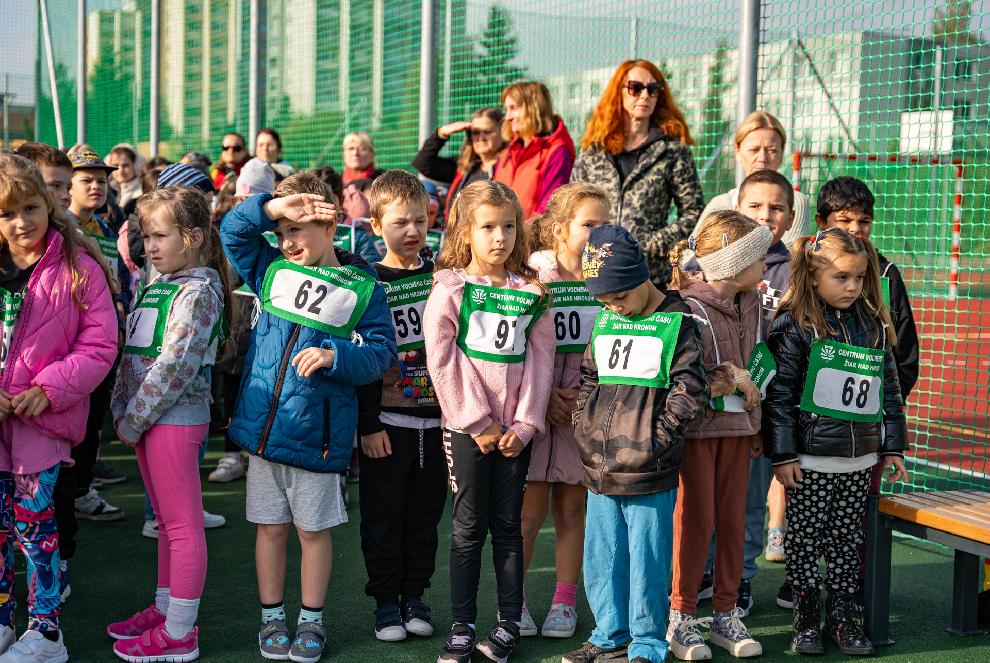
(963, 513)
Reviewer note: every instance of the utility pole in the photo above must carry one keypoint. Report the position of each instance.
(749, 50)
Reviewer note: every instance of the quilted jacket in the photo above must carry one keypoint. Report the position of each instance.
(303, 422)
(665, 174)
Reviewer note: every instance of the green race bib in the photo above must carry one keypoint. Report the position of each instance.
(885, 290)
(146, 324)
(762, 367)
(345, 238)
(271, 237)
(330, 299)
(434, 240)
(108, 247)
(494, 322)
(11, 303)
(844, 381)
(574, 312)
(407, 298)
(635, 351)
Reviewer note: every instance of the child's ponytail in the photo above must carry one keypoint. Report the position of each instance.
(214, 258)
(679, 278)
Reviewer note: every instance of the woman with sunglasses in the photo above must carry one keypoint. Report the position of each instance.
(636, 147)
(482, 147)
(233, 155)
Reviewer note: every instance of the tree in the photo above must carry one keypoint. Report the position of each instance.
(499, 49)
(951, 23)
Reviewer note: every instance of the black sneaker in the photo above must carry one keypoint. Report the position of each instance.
(106, 475)
(459, 645)
(590, 653)
(745, 600)
(416, 617)
(707, 587)
(785, 596)
(502, 639)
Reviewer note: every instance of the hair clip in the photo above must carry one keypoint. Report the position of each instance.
(725, 240)
(814, 244)
(692, 242)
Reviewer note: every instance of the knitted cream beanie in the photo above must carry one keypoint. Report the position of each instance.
(733, 258)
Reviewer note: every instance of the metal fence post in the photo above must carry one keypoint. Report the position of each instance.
(427, 65)
(52, 79)
(749, 50)
(81, 72)
(154, 83)
(254, 72)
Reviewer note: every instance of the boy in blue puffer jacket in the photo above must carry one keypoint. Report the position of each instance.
(324, 329)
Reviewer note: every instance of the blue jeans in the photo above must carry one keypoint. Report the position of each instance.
(628, 544)
(760, 476)
(149, 511)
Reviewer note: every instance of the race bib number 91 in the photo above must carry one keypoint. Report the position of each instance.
(494, 323)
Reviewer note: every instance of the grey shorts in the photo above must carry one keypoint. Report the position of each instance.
(281, 494)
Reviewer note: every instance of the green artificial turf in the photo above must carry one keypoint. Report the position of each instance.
(113, 575)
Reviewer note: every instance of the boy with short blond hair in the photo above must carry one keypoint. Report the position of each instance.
(403, 469)
(324, 329)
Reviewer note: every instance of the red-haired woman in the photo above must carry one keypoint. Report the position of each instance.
(540, 152)
(636, 148)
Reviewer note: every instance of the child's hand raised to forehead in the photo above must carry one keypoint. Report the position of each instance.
(301, 208)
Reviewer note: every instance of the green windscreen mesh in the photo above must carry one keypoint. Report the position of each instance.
(894, 92)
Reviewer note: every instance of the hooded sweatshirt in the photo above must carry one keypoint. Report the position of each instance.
(729, 335)
(775, 283)
(174, 387)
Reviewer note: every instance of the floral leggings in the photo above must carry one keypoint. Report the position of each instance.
(27, 514)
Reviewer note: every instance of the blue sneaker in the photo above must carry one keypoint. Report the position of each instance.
(274, 641)
(309, 642)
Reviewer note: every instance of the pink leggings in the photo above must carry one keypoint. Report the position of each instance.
(169, 460)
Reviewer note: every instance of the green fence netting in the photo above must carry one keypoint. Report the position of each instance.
(894, 92)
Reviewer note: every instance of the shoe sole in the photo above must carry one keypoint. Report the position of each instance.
(528, 632)
(167, 658)
(814, 651)
(223, 479)
(422, 631)
(111, 482)
(102, 518)
(118, 636)
(218, 526)
(486, 650)
(786, 605)
(465, 658)
(737, 649)
(550, 633)
(385, 636)
(692, 653)
(305, 659)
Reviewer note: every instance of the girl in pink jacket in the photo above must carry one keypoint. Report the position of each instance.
(489, 348)
(59, 341)
(555, 469)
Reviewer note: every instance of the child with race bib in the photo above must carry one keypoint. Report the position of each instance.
(837, 407)
(324, 329)
(161, 407)
(59, 341)
(489, 350)
(555, 471)
(731, 250)
(642, 382)
(403, 483)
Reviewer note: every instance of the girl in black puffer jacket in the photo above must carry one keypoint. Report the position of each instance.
(836, 411)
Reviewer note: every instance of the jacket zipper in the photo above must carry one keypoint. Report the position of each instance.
(286, 356)
(605, 430)
(845, 335)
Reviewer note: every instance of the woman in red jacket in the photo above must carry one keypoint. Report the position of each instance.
(540, 154)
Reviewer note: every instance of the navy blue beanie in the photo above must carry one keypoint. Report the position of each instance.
(180, 174)
(612, 261)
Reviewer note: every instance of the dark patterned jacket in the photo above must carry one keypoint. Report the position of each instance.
(664, 174)
(631, 438)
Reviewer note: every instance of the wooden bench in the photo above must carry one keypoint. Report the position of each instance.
(957, 519)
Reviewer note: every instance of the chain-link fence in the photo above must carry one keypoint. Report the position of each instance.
(894, 92)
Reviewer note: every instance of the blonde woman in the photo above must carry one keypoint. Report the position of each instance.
(359, 158)
(540, 152)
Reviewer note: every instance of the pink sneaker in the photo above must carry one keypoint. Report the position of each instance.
(138, 623)
(156, 645)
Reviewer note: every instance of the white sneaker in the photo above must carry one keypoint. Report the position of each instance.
(150, 529)
(33, 647)
(7, 637)
(92, 506)
(213, 520)
(527, 627)
(229, 467)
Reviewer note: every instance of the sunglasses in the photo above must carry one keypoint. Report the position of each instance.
(235, 148)
(482, 133)
(635, 88)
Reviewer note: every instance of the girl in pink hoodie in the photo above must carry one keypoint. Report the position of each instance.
(556, 474)
(59, 340)
(489, 348)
